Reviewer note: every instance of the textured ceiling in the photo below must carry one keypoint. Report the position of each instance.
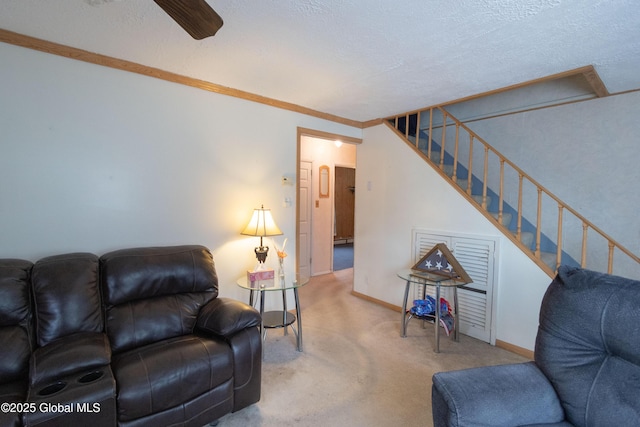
(357, 59)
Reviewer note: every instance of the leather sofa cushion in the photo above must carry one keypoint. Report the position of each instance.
(16, 339)
(15, 350)
(68, 355)
(14, 291)
(200, 411)
(67, 298)
(153, 294)
(226, 316)
(12, 392)
(132, 274)
(168, 373)
(138, 323)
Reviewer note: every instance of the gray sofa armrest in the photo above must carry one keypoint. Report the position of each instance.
(504, 395)
(226, 316)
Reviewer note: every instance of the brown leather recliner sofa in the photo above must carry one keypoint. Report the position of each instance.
(136, 337)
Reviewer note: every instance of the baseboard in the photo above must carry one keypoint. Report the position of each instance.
(521, 351)
(376, 301)
(321, 273)
(515, 349)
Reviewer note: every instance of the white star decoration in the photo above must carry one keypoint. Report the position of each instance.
(450, 268)
(438, 265)
(439, 253)
(428, 264)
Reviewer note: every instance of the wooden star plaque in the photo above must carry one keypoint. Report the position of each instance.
(439, 260)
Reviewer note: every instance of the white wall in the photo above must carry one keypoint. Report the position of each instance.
(400, 192)
(95, 159)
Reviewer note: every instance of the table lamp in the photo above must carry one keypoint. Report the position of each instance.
(263, 225)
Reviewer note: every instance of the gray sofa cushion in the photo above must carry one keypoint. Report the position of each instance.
(494, 396)
(588, 345)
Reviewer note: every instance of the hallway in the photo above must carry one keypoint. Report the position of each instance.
(342, 256)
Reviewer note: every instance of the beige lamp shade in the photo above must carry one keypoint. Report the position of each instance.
(261, 224)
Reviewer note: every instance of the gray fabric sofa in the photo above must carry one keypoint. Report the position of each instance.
(586, 370)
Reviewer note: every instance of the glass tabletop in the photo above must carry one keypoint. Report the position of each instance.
(299, 281)
(424, 278)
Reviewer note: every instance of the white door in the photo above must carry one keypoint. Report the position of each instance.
(304, 220)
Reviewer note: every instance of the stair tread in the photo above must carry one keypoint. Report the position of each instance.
(506, 217)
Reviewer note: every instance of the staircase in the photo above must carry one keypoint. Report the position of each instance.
(549, 231)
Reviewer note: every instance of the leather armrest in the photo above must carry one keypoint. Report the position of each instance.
(64, 356)
(517, 394)
(226, 316)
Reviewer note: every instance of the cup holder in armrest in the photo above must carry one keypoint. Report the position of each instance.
(91, 377)
(52, 388)
(57, 386)
(74, 400)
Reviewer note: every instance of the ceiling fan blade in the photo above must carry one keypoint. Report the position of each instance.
(195, 16)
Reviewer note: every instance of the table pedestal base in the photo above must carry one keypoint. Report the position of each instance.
(406, 315)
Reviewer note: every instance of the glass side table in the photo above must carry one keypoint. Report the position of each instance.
(427, 279)
(277, 318)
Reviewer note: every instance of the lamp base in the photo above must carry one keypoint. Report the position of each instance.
(261, 253)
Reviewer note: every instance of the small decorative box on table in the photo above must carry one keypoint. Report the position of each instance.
(260, 278)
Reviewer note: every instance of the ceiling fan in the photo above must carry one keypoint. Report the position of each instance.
(196, 17)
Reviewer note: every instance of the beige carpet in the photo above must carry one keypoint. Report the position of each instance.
(355, 369)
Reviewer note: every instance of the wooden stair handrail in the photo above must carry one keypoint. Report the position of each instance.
(522, 175)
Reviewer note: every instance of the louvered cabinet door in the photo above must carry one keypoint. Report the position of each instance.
(478, 256)
(475, 300)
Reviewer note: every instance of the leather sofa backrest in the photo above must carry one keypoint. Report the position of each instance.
(66, 296)
(151, 294)
(588, 345)
(16, 338)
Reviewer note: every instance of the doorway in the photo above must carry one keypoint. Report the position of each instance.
(344, 207)
(316, 216)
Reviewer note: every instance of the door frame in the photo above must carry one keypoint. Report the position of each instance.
(320, 135)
